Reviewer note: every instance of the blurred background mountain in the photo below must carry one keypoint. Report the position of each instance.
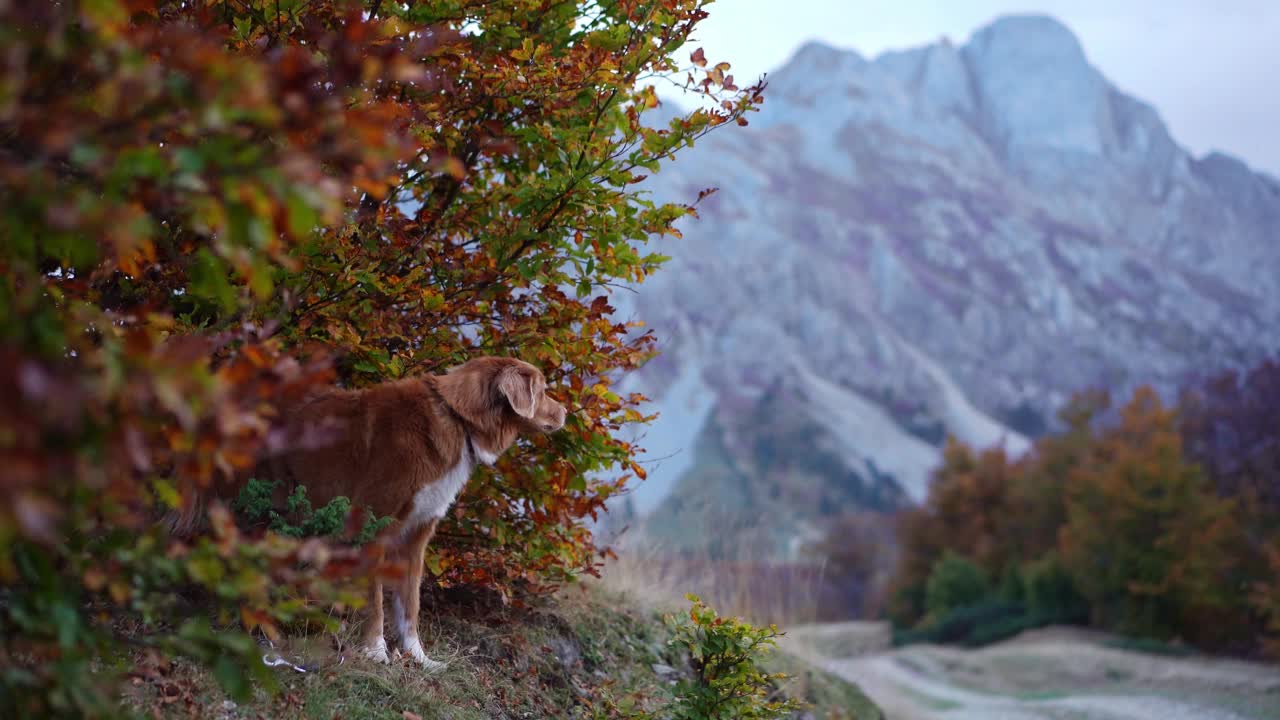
(942, 241)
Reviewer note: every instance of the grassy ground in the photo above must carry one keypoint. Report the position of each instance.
(1053, 673)
(828, 695)
(561, 659)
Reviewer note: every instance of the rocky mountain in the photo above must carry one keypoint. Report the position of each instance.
(945, 240)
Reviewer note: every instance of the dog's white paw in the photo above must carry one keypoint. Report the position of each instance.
(431, 666)
(413, 648)
(377, 652)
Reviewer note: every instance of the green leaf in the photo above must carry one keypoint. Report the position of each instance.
(233, 678)
(433, 564)
(303, 218)
(208, 280)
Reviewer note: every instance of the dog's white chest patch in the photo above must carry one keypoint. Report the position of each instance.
(484, 456)
(433, 501)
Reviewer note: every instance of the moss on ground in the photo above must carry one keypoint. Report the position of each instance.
(558, 659)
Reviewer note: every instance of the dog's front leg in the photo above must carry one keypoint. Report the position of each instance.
(408, 597)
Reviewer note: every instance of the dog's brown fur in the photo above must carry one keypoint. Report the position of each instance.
(384, 446)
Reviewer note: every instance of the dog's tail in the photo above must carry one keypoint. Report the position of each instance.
(190, 518)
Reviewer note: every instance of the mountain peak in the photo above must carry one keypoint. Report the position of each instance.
(1041, 32)
(1023, 81)
(812, 70)
(1037, 89)
(818, 53)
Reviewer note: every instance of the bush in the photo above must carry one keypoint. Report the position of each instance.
(1005, 628)
(1013, 586)
(255, 505)
(1150, 646)
(954, 582)
(727, 684)
(959, 626)
(1052, 594)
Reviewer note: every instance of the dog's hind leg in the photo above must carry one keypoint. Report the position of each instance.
(408, 597)
(372, 642)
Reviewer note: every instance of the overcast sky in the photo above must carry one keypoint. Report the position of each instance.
(1210, 67)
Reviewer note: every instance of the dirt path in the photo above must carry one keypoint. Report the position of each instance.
(1054, 674)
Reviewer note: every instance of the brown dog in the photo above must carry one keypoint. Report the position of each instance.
(405, 450)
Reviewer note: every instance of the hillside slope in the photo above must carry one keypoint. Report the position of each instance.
(946, 240)
(560, 659)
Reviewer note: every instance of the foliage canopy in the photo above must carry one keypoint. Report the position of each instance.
(211, 204)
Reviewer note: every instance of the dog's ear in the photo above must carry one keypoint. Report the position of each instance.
(521, 386)
(469, 391)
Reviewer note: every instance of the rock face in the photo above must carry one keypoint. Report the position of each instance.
(946, 240)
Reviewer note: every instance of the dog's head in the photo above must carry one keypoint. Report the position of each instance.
(525, 392)
(500, 398)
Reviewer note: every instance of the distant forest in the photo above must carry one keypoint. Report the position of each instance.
(1158, 522)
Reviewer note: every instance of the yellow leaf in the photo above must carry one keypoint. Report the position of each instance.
(394, 26)
(525, 51)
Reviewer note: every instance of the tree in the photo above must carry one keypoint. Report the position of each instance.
(1038, 494)
(857, 551)
(212, 205)
(966, 512)
(1265, 598)
(1144, 540)
(1230, 426)
(955, 582)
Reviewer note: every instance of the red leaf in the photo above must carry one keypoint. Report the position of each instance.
(698, 58)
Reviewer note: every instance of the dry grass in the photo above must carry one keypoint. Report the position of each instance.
(761, 592)
(840, 573)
